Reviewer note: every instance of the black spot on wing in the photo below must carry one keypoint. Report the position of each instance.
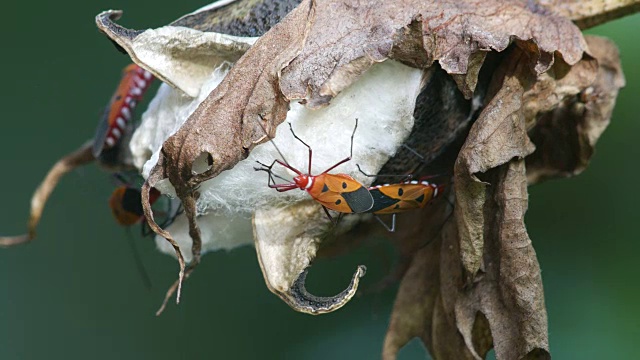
(325, 188)
(132, 201)
(420, 198)
(338, 202)
(400, 192)
(381, 201)
(344, 185)
(360, 200)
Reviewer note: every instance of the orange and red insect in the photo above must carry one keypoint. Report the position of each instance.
(118, 114)
(401, 197)
(126, 204)
(338, 192)
(405, 196)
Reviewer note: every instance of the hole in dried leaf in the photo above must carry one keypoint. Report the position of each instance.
(203, 163)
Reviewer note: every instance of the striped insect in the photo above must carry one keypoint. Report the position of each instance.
(337, 192)
(118, 114)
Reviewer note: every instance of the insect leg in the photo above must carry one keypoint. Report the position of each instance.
(393, 222)
(271, 181)
(413, 151)
(305, 144)
(142, 270)
(350, 152)
(268, 169)
(145, 229)
(284, 188)
(404, 177)
(326, 211)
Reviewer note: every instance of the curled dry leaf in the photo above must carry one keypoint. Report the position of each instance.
(497, 136)
(565, 135)
(286, 242)
(343, 43)
(238, 17)
(503, 307)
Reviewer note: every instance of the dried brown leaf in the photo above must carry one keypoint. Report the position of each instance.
(238, 17)
(419, 310)
(347, 37)
(565, 134)
(502, 307)
(498, 136)
(227, 125)
(509, 291)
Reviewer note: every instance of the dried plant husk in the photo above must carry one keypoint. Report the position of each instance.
(505, 79)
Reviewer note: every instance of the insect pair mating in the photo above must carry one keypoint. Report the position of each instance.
(344, 194)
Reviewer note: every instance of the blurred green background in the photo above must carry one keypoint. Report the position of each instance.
(75, 294)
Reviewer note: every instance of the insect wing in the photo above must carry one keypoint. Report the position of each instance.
(395, 198)
(382, 201)
(341, 193)
(126, 205)
(101, 133)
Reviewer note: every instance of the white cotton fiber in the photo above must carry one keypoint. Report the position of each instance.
(219, 232)
(383, 100)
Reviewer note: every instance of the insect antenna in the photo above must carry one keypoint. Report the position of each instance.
(272, 142)
(406, 177)
(142, 270)
(413, 151)
(441, 226)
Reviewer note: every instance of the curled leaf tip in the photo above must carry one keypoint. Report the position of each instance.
(301, 300)
(105, 22)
